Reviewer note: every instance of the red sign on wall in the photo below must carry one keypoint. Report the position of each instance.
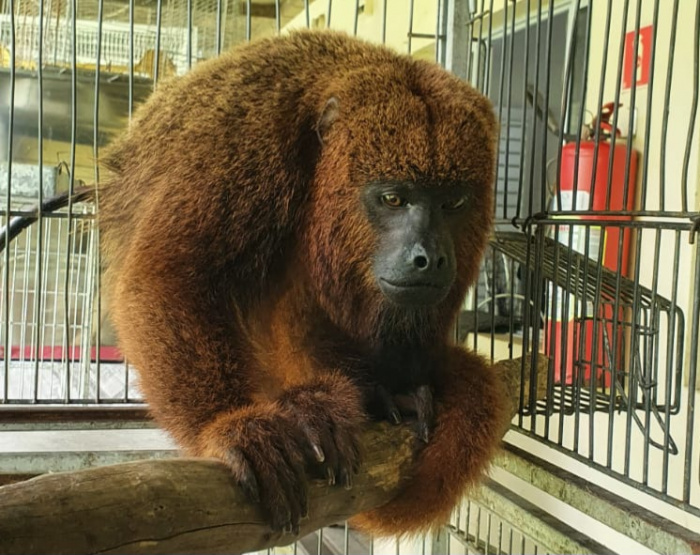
(643, 62)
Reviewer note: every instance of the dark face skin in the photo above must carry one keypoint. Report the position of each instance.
(415, 260)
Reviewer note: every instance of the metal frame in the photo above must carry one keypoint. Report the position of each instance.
(639, 391)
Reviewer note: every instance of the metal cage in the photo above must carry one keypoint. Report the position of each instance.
(593, 266)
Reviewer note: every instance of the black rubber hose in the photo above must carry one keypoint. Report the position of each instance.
(18, 224)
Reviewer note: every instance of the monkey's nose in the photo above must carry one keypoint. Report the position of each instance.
(424, 260)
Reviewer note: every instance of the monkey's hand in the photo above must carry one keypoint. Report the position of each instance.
(471, 412)
(269, 446)
(329, 415)
(394, 408)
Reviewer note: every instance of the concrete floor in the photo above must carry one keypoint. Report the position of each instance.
(85, 440)
(38, 452)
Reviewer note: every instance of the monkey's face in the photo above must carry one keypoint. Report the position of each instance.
(414, 262)
(401, 205)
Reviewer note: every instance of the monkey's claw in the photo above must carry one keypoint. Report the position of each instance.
(329, 433)
(395, 408)
(387, 405)
(333, 447)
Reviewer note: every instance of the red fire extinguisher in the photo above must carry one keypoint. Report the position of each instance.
(588, 164)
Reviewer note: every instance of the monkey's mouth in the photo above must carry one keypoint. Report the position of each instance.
(411, 284)
(413, 293)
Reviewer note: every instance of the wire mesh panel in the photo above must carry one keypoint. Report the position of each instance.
(594, 263)
(71, 74)
(473, 530)
(477, 530)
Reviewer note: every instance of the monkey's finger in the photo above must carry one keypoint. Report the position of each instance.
(276, 499)
(391, 411)
(313, 442)
(304, 501)
(273, 499)
(244, 474)
(330, 464)
(286, 463)
(346, 478)
(301, 492)
(272, 472)
(294, 510)
(296, 488)
(281, 517)
(423, 431)
(348, 457)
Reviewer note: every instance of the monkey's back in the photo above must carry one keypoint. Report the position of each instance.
(231, 134)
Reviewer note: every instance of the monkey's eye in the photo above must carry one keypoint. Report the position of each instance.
(393, 200)
(455, 204)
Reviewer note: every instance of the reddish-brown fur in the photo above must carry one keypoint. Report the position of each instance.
(239, 258)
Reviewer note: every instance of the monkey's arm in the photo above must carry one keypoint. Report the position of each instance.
(472, 411)
(180, 329)
(175, 328)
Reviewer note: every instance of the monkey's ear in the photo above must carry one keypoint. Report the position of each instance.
(330, 113)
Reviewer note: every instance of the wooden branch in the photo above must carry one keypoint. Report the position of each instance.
(187, 505)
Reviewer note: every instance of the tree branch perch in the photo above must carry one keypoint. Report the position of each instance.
(191, 505)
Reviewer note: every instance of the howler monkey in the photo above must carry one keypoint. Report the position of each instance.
(289, 231)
